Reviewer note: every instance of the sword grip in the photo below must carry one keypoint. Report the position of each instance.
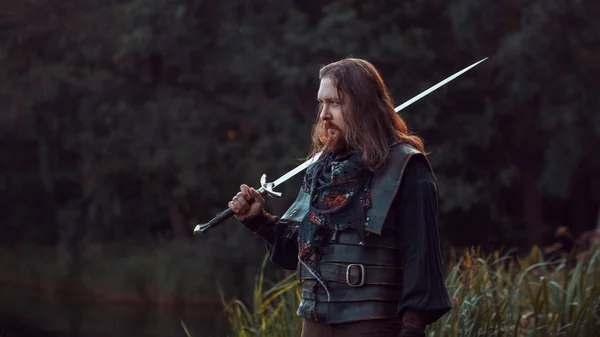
(219, 218)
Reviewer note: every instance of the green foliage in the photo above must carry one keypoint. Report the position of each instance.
(130, 122)
(505, 296)
(493, 295)
(273, 311)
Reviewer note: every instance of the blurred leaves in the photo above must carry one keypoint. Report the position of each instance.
(133, 116)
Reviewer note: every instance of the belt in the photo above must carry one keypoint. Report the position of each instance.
(355, 274)
(375, 241)
(359, 255)
(332, 313)
(340, 293)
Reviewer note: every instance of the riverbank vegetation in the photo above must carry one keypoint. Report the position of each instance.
(493, 295)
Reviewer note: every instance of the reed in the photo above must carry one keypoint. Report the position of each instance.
(272, 312)
(492, 295)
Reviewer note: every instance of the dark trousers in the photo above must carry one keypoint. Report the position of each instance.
(372, 328)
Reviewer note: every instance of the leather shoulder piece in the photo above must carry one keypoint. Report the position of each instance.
(299, 208)
(385, 185)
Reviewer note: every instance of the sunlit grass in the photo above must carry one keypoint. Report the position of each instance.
(510, 296)
(492, 295)
(272, 312)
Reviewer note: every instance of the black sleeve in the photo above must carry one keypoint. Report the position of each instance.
(416, 205)
(281, 238)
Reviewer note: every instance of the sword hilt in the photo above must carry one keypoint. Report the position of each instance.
(265, 189)
(268, 187)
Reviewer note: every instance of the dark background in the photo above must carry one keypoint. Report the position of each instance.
(125, 123)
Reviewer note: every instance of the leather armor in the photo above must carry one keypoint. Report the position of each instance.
(362, 267)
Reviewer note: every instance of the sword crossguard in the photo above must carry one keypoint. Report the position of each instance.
(267, 188)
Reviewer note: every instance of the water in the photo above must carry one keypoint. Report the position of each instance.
(23, 316)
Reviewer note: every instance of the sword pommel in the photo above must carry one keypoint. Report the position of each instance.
(265, 189)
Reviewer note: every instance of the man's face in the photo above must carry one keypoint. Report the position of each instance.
(334, 125)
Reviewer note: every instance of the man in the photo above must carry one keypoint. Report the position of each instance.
(362, 233)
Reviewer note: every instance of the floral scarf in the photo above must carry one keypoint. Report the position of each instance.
(340, 197)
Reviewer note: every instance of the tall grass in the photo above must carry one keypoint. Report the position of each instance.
(273, 310)
(493, 295)
(512, 296)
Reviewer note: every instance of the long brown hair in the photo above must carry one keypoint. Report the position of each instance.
(372, 125)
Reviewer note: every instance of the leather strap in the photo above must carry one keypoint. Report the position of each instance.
(368, 293)
(339, 312)
(358, 254)
(351, 237)
(352, 274)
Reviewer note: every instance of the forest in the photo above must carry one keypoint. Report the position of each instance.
(124, 124)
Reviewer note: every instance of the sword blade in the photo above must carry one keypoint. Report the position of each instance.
(307, 163)
(297, 170)
(426, 92)
(201, 228)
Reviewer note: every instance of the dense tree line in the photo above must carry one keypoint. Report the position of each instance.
(134, 120)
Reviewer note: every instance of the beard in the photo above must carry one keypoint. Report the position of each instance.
(333, 137)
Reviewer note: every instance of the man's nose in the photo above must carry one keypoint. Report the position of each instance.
(324, 115)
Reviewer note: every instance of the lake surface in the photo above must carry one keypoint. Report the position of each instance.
(27, 316)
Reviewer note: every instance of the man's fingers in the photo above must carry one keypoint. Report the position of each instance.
(237, 206)
(257, 196)
(241, 197)
(242, 203)
(232, 207)
(245, 191)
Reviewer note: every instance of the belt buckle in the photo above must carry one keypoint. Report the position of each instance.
(361, 267)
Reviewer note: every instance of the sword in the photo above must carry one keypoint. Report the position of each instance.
(267, 188)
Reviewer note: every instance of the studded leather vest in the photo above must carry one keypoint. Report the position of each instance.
(357, 273)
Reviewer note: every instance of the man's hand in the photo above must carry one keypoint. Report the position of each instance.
(242, 205)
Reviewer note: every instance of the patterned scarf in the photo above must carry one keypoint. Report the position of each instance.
(340, 197)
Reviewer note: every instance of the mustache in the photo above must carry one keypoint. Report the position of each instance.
(330, 125)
